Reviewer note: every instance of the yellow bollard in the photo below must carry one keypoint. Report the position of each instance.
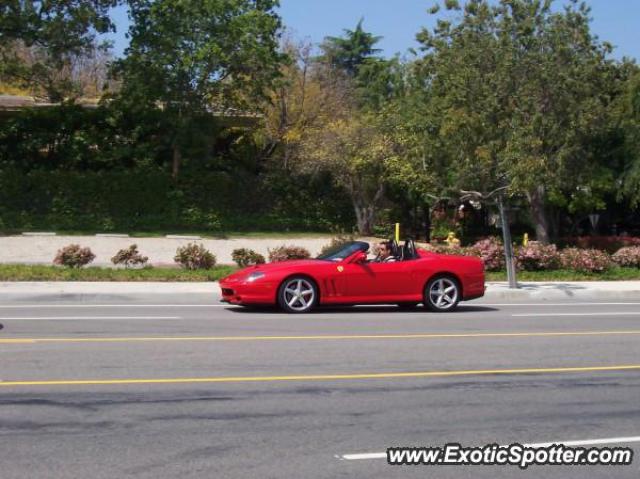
(525, 240)
(451, 240)
(397, 232)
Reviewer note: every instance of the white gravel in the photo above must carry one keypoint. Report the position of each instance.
(42, 249)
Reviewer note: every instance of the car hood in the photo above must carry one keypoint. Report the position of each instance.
(290, 264)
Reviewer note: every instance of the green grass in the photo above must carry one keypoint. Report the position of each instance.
(22, 272)
(203, 234)
(613, 274)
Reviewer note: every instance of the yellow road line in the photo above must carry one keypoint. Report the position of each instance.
(319, 377)
(316, 337)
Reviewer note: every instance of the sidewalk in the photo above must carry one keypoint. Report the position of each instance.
(136, 291)
(565, 290)
(42, 249)
(80, 291)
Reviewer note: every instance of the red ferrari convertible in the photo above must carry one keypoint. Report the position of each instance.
(344, 275)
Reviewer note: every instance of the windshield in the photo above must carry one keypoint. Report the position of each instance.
(342, 251)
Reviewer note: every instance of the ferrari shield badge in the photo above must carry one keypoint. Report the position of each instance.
(340, 269)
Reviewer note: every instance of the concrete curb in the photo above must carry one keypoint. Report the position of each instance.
(135, 291)
(105, 291)
(577, 290)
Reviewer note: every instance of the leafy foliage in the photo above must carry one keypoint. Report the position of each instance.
(586, 260)
(30, 272)
(491, 252)
(628, 256)
(196, 56)
(512, 93)
(444, 248)
(628, 115)
(610, 244)
(350, 52)
(284, 253)
(359, 155)
(39, 38)
(195, 256)
(129, 257)
(74, 256)
(537, 256)
(246, 257)
(149, 200)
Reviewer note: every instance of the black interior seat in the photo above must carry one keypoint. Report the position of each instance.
(396, 251)
(408, 250)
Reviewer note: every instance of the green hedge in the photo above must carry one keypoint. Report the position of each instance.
(137, 200)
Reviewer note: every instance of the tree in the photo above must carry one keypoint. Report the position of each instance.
(517, 90)
(359, 156)
(39, 39)
(318, 124)
(628, 111)
(348, 53)
(196, 57)
(297, 103)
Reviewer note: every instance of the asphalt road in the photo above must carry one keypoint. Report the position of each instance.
(205, 390)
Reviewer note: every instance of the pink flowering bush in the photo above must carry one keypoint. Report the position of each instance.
(627, 257)
(585, 260)
(606, 243)
(244, 257)
(195, 256)
(443, 248)
(129, 257)
(536, 256)
(283, 253)
(490, 251)
(74, 256)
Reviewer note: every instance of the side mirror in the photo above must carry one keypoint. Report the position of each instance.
(359, 258)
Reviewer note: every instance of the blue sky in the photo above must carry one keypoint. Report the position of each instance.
(398, 21)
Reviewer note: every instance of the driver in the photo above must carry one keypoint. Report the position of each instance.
(384, 253)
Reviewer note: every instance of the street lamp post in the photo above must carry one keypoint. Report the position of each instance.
(508, 247)
(506, 230)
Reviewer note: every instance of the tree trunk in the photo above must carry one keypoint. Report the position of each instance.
(427, 223)
(536, 199)
(180, 126)
(177, 160)
(365, 208)
(365, 217)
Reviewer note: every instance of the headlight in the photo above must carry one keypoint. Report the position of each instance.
(255, 275)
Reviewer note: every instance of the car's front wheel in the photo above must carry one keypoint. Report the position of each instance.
(442, 294)
(297, 295)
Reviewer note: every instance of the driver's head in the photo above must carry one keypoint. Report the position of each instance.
(384, 249)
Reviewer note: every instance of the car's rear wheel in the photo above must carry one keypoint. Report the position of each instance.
(297, 294)
(442, 294)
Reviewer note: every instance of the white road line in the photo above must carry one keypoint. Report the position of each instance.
(84, 318)
(590, 442)
(585, 442)
(603, 313)
(18, 306)
(58, 305)
(366, 455)
(573, 303)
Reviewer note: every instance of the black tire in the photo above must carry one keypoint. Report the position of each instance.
(407, 306)
(297, 295)
(442, 294)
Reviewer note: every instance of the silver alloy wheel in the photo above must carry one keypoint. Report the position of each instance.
(443, 293)
(299, 294)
